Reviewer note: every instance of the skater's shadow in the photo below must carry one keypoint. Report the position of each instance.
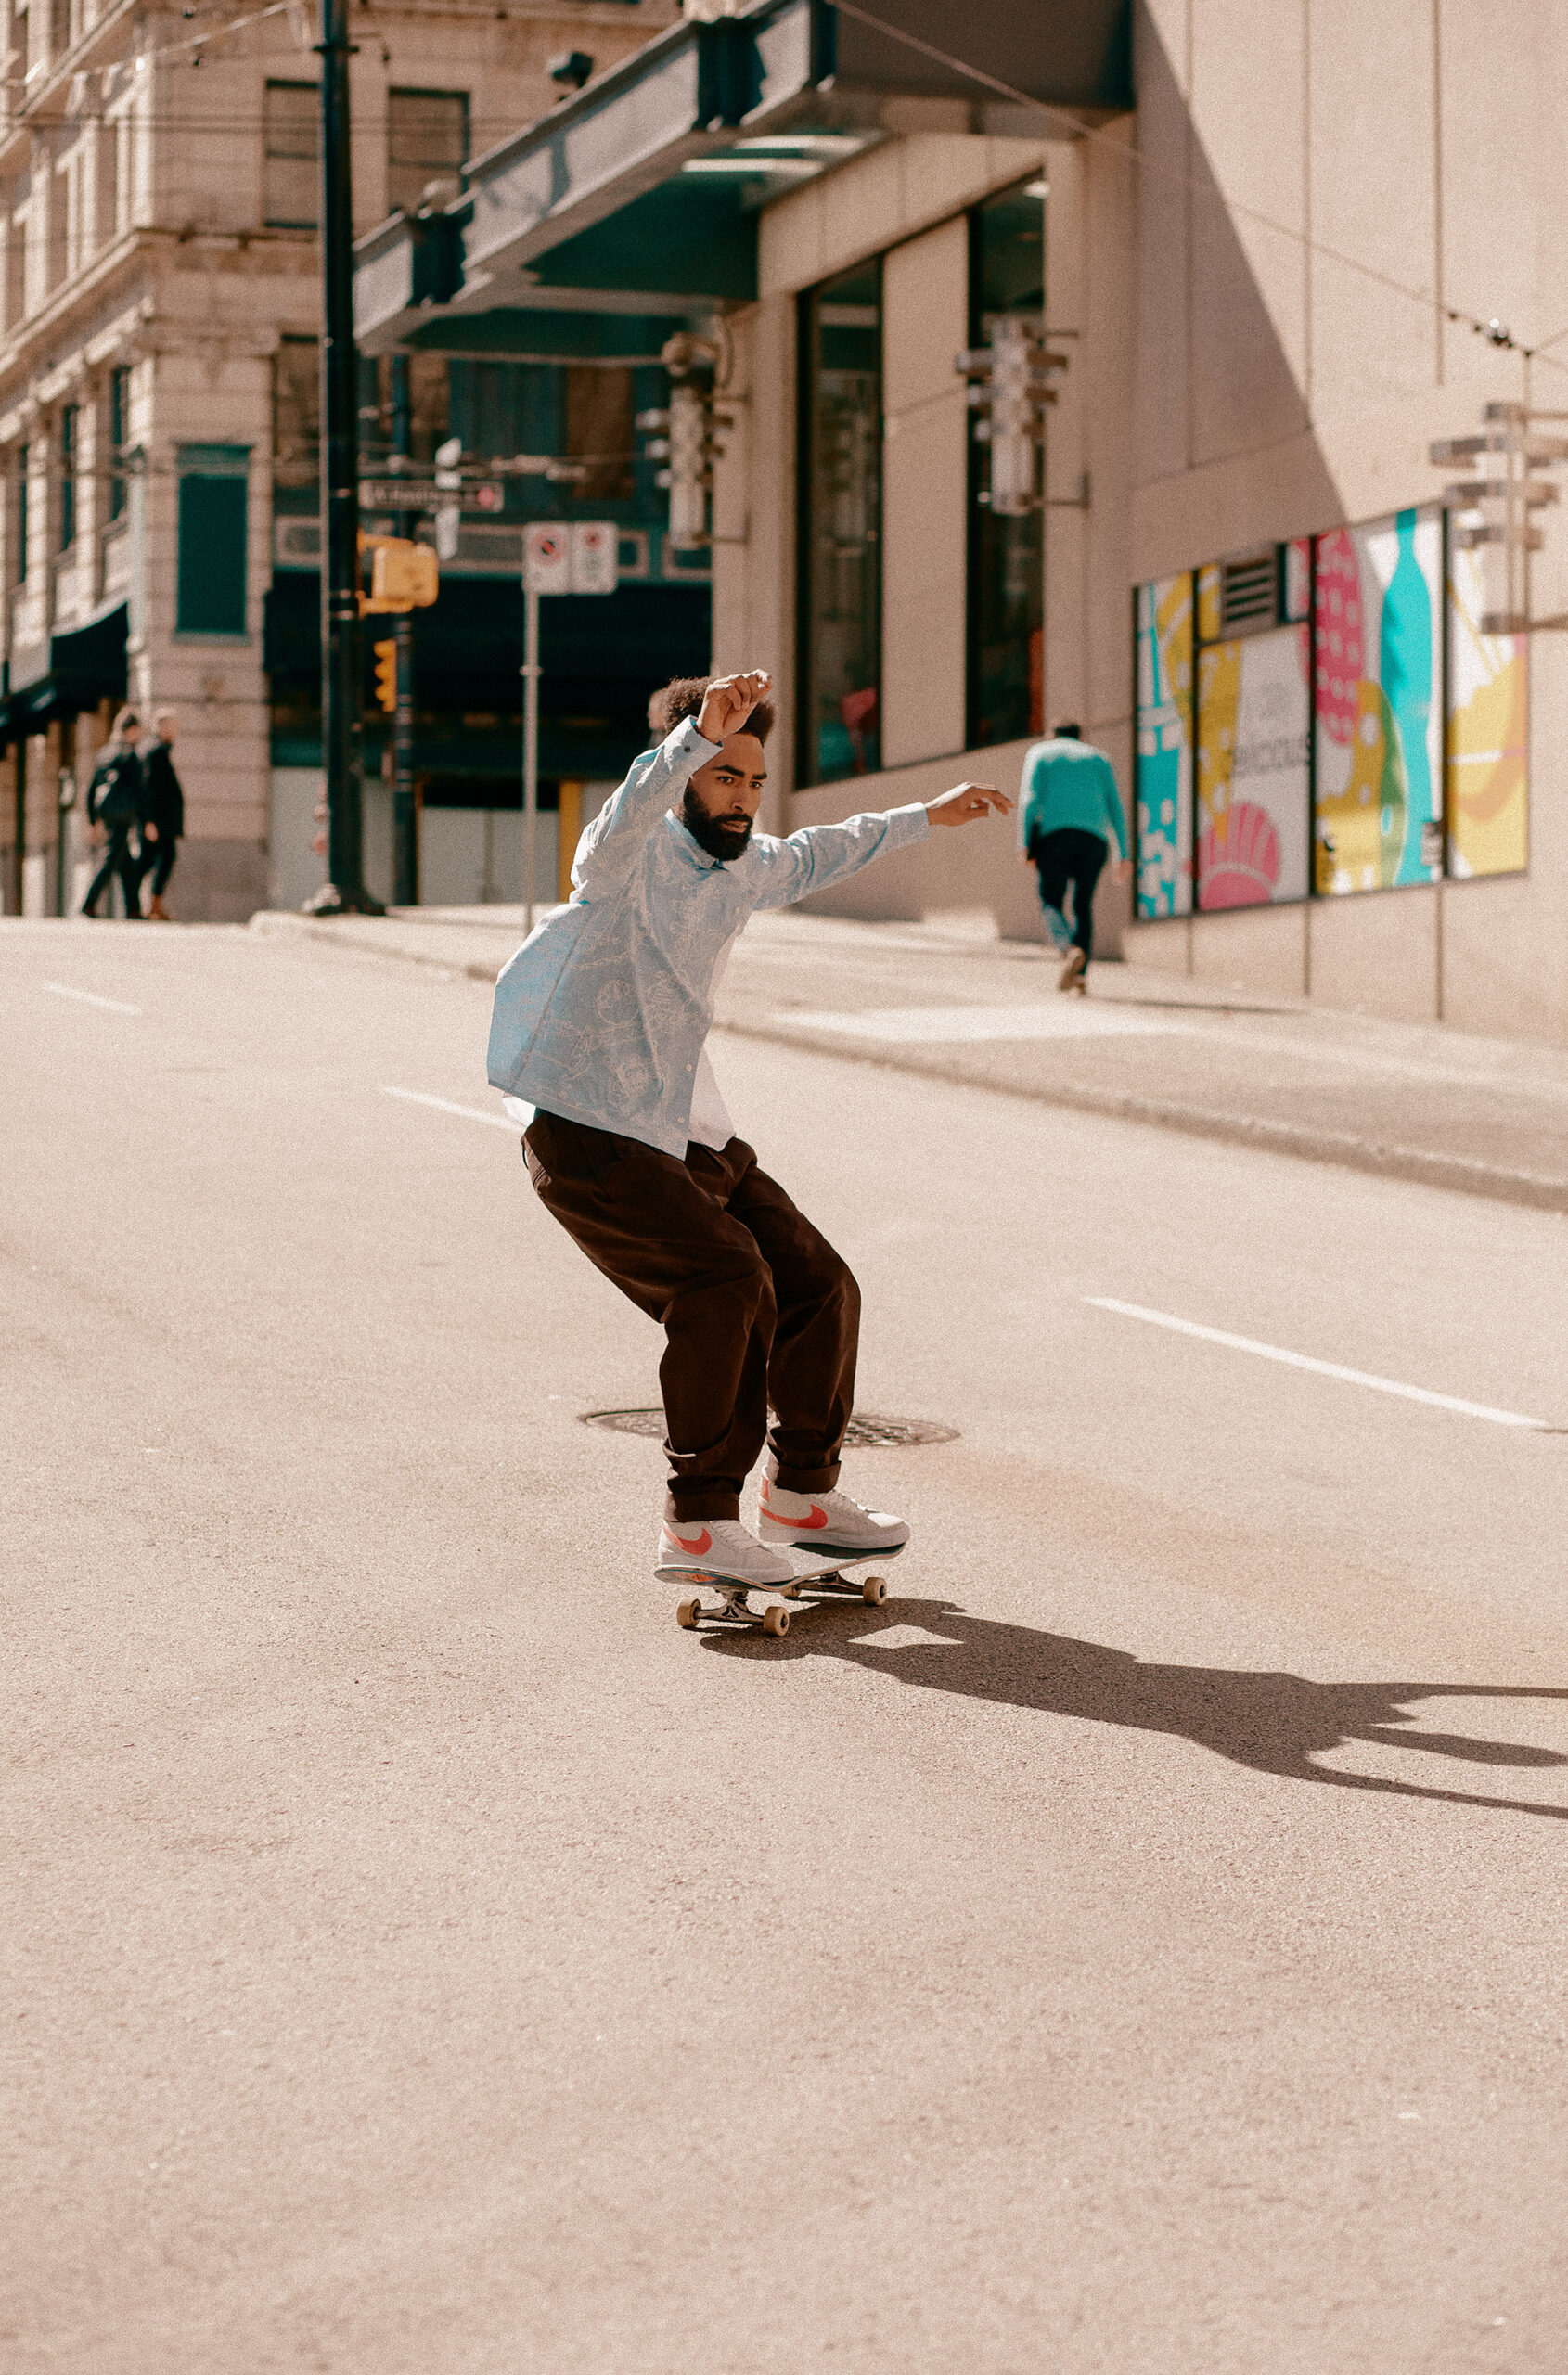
(1275, 1723)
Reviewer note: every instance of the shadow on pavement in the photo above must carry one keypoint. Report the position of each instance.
(1273, 1723)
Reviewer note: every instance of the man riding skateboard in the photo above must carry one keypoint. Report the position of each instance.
(601, 1023)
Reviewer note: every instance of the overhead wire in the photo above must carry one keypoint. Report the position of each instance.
(1075, 128)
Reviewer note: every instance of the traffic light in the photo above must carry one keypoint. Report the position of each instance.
(1008, 392)
(403, 576)
(689, 447)
(386, 674)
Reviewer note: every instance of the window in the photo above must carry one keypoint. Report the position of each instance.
(840, 573)
(291, 119)
(24, 460)
(69, 415)
(119, 435)
(600, 431)
(426, 138)
(214, 488)
(1006, 593)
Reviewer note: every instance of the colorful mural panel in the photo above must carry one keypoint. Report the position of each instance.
(1379, 728)
(1489, 733)
(1254, 795)
(1164, 747)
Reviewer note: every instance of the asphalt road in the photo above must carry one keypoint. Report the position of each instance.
(1138, 1946)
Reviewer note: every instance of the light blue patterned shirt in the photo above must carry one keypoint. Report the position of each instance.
(602, 1015)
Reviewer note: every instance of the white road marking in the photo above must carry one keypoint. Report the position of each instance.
(1070, 1018)
(91, 998)
(1321, 1369)
(444, 1105)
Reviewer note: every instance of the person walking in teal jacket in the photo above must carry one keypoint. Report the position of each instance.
(1069, 812)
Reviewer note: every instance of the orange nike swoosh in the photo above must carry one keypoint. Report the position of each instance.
(812, 1525)
(703, 1542)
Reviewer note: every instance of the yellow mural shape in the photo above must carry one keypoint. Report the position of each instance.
(1488, 747)
(1361, 830)
(1219, 689)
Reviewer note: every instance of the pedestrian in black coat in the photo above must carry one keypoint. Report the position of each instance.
(114, 811)
(163, 810)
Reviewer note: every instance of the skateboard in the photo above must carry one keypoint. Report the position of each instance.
(824, 1578)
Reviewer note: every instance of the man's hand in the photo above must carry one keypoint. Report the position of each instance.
(149, 832)
(1122, 870)
(729, 702)
(967, 801)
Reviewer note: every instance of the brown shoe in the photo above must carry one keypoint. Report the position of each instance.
(157, 912)
(1071, 975)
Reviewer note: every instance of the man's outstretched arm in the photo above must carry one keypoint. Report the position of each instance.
(611, 842)
(821, 855)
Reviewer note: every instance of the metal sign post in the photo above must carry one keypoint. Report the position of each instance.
(582, 558)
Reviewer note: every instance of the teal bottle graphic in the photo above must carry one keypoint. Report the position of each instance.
(1405, 668)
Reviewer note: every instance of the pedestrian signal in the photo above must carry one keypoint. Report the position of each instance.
(386, 674)
(403, 576)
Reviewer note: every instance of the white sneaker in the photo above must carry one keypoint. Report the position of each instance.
(825, 1521)
(719, 1547)
(1071, 974)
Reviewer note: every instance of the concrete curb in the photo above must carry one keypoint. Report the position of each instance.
(1462, 1174)
(1538, 1189)
(274, 923)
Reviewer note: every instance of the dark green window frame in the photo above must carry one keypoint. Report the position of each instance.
(839, 582)
(211, 599)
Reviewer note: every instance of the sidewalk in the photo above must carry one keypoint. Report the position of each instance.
(1414, 1102)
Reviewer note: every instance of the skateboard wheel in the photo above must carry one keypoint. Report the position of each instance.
(874, 1590)
(776, 1620)
(687, 1613)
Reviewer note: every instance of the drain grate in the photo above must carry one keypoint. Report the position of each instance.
(867, 1430)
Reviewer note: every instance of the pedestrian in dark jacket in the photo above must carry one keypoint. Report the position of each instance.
(163, 810)
(114, 811)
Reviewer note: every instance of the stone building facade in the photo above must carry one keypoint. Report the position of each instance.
(160, 286)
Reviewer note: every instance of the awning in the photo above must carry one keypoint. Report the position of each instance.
(641, 193)
(64, 676)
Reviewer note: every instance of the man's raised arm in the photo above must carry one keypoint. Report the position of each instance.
(609, 845)
(819, 855)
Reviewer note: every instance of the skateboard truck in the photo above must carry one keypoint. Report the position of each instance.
(736, 1607)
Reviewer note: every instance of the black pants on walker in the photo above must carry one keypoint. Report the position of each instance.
(160, 856)
(756, 1306)
(1071, 855)
(119, 858)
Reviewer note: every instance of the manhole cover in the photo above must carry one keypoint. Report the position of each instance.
(869, 1429)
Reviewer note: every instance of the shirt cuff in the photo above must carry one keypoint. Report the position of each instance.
(908, 825)
(684, 742)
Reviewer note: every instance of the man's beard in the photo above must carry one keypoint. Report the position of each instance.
(720, 837)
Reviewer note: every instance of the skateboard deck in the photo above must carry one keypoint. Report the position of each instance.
(824, 1578)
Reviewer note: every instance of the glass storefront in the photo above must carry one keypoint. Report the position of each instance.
(1006, 559)
(840, 622)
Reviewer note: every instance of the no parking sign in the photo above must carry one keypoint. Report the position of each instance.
(582, 558)
(547, 560)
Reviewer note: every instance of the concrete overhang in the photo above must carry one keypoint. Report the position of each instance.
(639, 196)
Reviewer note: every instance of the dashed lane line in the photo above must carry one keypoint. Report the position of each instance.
(1320, 1369)
(89, 997)
(444, 1105)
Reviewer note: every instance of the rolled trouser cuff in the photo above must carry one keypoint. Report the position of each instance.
(701, 1502)
(802, 1480)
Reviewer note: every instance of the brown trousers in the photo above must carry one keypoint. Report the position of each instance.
(756, 1306)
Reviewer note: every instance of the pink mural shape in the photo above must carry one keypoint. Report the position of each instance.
(1238, 858)
(1339, 635)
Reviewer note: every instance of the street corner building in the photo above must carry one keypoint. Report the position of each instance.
(1152, 366)
(159, 310)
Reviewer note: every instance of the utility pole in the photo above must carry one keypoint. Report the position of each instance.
(531, 672)
(405, 822)
(344, 892)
